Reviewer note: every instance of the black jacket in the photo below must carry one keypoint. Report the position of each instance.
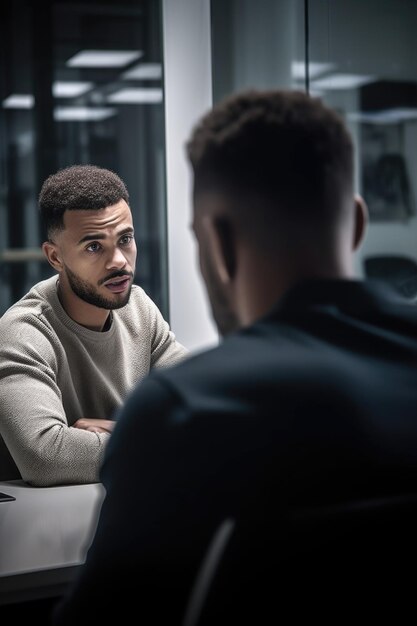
(305, 415)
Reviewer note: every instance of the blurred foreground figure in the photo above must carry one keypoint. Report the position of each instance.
(269, 479)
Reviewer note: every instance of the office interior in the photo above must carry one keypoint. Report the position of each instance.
(120, 84)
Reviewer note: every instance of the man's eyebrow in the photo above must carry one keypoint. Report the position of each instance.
(97, 236)
(92, 237)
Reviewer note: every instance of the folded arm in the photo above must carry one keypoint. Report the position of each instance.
(46, 449)
(94, 425)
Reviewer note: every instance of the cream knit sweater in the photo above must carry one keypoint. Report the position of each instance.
(54, 371)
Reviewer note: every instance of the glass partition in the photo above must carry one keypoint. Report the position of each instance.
(359, 57)
(80, 82)
(363, 55)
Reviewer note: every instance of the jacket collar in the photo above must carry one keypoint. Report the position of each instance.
(344, 294)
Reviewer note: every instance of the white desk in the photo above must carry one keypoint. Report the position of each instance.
(44, 536)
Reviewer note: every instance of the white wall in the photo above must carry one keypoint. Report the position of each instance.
(264, 43)
(188, 94)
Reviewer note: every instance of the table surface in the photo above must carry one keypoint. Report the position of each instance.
(44, 536)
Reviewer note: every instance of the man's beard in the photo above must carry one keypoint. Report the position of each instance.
(85, 291)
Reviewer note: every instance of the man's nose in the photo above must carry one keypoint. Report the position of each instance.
(116, 260)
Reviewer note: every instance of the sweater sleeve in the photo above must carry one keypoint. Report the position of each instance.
(33, 423)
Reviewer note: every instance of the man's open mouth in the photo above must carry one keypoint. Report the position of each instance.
(118, 285)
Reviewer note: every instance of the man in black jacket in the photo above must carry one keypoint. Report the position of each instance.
(268, 476)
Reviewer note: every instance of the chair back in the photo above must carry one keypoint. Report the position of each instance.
(347, 561)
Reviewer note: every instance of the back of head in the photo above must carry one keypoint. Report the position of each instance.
(284, 149)
(78, 187)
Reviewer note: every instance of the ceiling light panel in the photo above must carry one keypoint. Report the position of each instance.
(144, 71)
(388, 116)
(342, 81)
(135, 95)
(70, 89)
(83, 114)
(19, 101)
(103, 58)
(314, 69)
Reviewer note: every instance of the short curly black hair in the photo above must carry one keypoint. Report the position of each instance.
(78, 187)
(283, 146)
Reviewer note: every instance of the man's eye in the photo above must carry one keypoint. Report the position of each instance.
(126, 240)
(93, 247)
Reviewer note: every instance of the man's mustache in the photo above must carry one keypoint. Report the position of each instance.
(117, 274)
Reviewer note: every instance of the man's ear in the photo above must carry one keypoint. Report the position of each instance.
(51, 252)
(222, 246)
(361, 221)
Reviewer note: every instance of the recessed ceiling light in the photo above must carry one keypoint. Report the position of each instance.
(136, 96)
(388, 116)
(143, 71)
(82, 114)
(103, 58)
(19, 101)
(70, 89)
(314, 69)
(316, 93)
(342, 81)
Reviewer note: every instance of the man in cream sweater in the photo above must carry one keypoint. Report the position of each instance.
(74, 346)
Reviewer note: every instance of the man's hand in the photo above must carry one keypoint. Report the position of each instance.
(94, 425)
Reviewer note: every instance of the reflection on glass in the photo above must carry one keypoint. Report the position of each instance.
(81, 83)
(361, 62)
(372, 82)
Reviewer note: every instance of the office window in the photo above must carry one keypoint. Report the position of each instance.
(367, 53)
(80, 82)
(359, 57)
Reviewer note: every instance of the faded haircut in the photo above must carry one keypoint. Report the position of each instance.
(78, 188)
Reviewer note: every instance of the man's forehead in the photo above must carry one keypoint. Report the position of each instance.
(110, 217)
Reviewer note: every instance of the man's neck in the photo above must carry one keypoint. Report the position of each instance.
(85, 314)
(263, 282)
